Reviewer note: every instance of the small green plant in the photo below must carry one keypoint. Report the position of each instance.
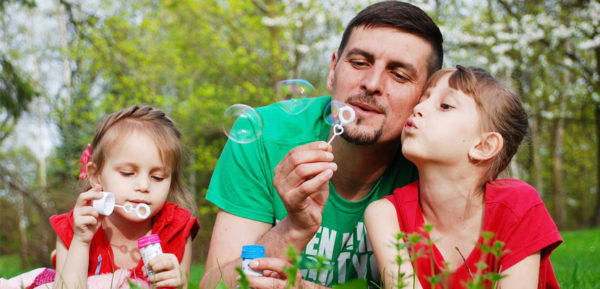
(420, 246)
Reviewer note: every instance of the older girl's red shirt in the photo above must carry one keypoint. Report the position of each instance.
(514, 213)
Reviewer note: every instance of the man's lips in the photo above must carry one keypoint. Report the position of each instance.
(364, 107)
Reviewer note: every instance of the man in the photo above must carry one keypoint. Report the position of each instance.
(291, 188)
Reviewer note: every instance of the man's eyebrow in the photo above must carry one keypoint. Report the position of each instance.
(357, 51)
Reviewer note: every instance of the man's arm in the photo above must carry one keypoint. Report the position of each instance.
(302, 181)
(230, 233)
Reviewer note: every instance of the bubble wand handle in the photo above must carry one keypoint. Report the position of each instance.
(338, 129)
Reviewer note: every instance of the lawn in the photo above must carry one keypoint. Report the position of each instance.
(576, 262)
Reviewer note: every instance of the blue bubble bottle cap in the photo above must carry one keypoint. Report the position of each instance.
(253, 251)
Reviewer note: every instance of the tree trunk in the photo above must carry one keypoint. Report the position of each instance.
(595, 220)
(23, 241)
(537, 161)
(558, 208)
(64, 45)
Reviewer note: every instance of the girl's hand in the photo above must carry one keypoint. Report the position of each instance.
(167, 272)
(85, 218)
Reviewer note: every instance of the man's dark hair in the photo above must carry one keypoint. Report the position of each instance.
(404, 17)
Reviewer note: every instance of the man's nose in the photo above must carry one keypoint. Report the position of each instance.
(372, 81)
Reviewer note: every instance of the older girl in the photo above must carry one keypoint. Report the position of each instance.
(461, 135)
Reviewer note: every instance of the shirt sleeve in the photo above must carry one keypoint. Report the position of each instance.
(63, 226)
(534, 231)
(240, 182)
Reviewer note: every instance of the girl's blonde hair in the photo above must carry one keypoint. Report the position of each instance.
(500, 108)
(161, 129)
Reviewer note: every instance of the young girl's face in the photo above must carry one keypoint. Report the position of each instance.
(135, 173)
(444, 126)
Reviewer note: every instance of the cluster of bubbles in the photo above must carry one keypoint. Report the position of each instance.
(242, 124)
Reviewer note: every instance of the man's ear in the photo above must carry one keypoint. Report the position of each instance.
(334, 61)
(93, 175)
(488, 147)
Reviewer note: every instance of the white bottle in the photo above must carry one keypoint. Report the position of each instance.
(149, 248)
(250, 252)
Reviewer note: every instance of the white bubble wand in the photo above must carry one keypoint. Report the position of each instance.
(106, 205)
(338, 128)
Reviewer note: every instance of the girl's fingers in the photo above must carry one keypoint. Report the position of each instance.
(85, 198)
(86, 221)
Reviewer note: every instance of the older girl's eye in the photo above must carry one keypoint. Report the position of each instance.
(445, 106)
(126, 174)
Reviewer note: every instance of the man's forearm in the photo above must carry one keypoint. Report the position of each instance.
(284, 234)
(223, 272)
(311, 285)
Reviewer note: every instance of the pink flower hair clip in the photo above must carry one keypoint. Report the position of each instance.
(86, 156)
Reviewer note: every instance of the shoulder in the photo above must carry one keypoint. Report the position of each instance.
(512, 193)
(379, 208)
(63, 223)
(283, 126)
(408, 193)
(63, 226)
(173, 219)
(381, 219)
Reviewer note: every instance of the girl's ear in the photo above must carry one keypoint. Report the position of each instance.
(487, 148)
(93, 175)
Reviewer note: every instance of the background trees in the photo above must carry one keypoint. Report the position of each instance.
(66, 64)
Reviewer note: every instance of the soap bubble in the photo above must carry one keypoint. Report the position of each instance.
(336, 112)
(294, 95)
(242, 124)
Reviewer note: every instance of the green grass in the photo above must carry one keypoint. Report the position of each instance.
(197, 272)
(576, 261)
(10, 266)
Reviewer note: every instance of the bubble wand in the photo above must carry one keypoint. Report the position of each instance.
(106, 206)
(338, 128)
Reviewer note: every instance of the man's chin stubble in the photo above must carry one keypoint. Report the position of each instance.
(362, 138)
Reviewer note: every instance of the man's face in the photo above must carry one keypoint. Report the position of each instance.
(380, 74)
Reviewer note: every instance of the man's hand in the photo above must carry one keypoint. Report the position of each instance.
(276, 275)
(302, 181)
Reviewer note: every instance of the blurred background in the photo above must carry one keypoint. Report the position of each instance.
(65, 64)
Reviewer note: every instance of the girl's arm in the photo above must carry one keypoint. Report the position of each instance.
(186, 261)
(382, 228)
(72, 264)
(522, 275)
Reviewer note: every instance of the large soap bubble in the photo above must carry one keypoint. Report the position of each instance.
(294, 95)
(242, 124)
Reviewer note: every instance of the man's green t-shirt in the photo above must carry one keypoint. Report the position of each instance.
(242, 184)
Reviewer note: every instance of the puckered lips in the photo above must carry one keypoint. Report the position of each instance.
(410, 125)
